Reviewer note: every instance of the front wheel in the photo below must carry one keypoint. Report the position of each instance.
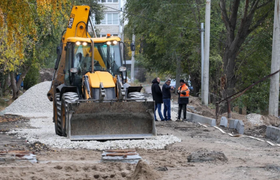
(57, 115)
(67, 98)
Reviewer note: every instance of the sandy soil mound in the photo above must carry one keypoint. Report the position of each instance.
(144, 172)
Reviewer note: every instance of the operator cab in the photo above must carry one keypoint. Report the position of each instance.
(107, 57)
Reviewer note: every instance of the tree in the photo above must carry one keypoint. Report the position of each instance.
(167, 30)
(241, 34)
(31, 31)
(253, 14)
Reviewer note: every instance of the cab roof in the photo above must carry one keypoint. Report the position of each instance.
(96, 40)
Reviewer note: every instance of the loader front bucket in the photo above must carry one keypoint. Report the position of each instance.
(90, 120)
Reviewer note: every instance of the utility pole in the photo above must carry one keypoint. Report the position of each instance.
(132, 57)
(202, 58)
(122, 36)
(275, 61)
(123, 31)
(206, 53)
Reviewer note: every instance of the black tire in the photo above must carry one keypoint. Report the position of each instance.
(63, 114)
(57, 117)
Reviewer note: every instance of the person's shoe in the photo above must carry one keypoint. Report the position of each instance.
(185, 120)
(178, 120)
(163, 120)
(156, 120)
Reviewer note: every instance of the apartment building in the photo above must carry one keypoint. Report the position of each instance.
(111, 23)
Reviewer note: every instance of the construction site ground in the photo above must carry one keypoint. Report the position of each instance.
(204, 153)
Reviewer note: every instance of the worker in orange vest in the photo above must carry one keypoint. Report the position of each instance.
(183, 100)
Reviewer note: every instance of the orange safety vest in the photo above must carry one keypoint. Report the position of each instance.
(185, 89)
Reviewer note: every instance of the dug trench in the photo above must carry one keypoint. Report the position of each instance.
(203, 153)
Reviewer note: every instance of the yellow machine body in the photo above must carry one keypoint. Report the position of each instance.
(89, 99)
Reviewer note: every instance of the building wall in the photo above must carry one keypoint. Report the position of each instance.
(113, 29)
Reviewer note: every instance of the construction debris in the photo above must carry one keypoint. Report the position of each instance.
(129, 155)
(17, 155)
(38, 147)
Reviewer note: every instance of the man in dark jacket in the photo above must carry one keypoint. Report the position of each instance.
(166, 96)
(157, 97)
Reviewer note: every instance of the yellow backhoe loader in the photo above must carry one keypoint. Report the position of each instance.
(90, 101)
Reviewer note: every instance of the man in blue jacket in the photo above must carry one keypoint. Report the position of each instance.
(166, 96)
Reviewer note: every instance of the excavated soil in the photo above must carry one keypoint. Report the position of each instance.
(203, 152)
(143, 172)
(205, 155)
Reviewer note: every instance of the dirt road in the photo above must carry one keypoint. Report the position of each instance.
(219, 156)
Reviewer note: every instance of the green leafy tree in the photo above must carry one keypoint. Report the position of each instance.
(31, 32)
(241, 19)
(166, 30)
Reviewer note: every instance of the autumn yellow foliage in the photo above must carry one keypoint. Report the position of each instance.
(19, 23)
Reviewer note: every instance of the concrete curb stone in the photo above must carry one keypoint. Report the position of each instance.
(224, 121)
(240, 127)
(273, 133)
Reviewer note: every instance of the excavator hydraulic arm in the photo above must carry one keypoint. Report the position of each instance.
(76, 27)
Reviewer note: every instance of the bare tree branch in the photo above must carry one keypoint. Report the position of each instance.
(264, 4)
(224, 13)
(233, 17)
(254, 7)
(260, 21)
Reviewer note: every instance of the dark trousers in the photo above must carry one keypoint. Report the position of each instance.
(184, 108)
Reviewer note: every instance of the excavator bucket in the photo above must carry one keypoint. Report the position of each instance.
(89, 120)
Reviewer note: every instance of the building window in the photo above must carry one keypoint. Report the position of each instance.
(110, 18)
(108, 1)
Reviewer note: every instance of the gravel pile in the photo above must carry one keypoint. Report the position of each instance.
(33, 102)
(43, 132)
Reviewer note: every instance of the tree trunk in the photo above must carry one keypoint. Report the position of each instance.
(196, 83)
(14, 86)
(178, 70)
(22, 76)
(6, 85)
(237, 32)
(229, 70)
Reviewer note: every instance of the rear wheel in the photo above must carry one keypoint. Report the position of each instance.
(67, 98)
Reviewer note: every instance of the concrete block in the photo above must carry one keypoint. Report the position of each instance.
(273, 133)
(233, 123)
(189, 117)
(224, 121)
(240, 127)
(191, 107)
(202, 119)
